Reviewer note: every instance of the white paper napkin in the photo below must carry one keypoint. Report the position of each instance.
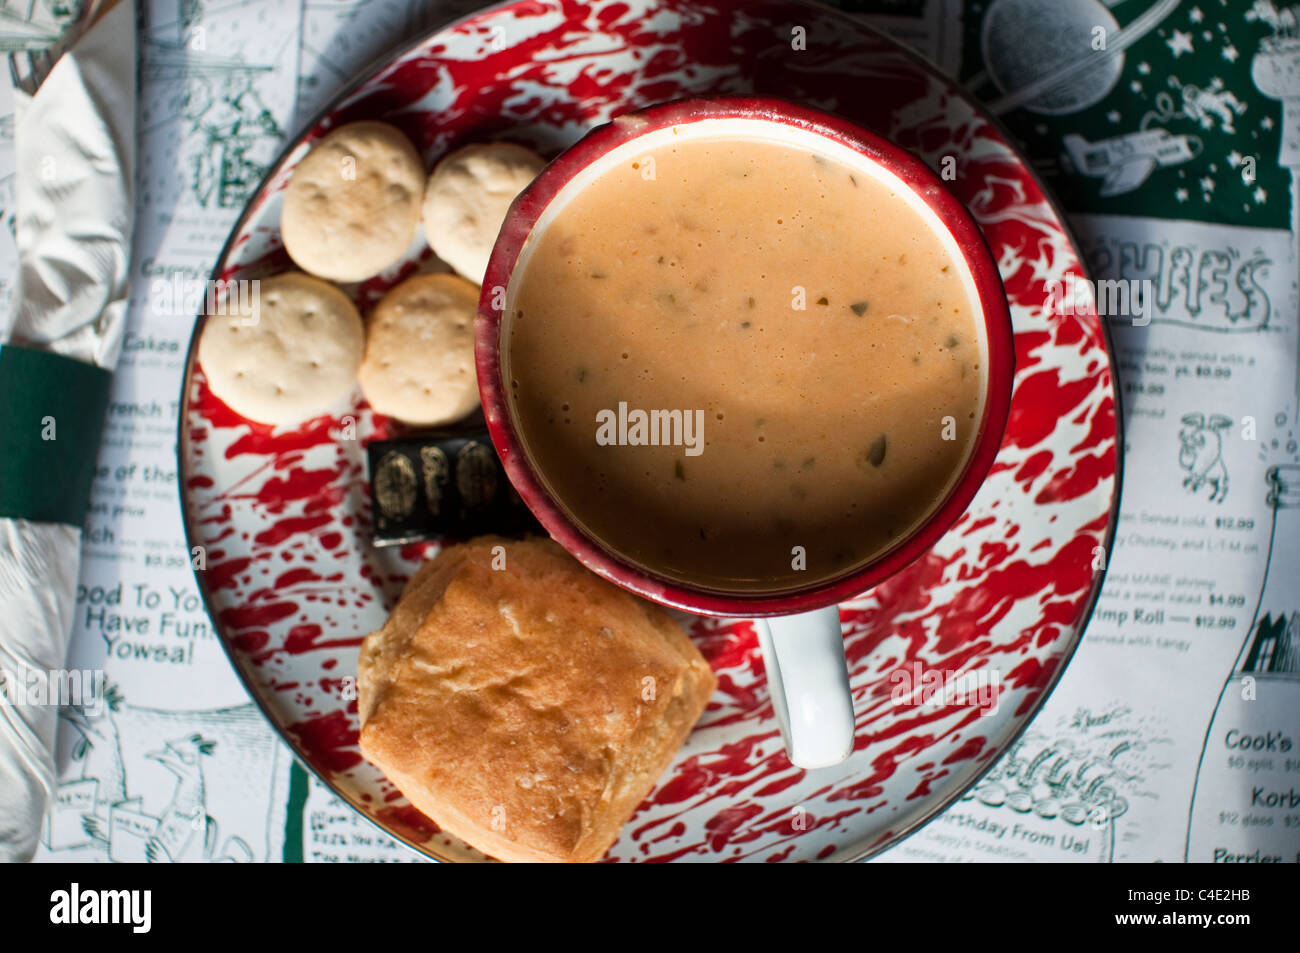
(75, 186)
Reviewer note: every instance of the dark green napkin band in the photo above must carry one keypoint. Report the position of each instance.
(51, 421)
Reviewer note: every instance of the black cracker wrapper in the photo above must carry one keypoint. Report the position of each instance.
(442, 484)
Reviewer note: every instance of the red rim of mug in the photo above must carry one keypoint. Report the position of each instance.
(529, 206)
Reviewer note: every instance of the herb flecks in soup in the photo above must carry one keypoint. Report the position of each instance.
(810, 314)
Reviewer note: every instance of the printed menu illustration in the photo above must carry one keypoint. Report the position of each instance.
(1246, 803)
(216, 99)
(1181, 146)
(177, 764)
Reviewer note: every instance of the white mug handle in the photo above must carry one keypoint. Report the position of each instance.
(809, 683)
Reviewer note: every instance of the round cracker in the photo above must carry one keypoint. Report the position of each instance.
(352, 208)
(293, 354)
(466, 200)
(419, 363)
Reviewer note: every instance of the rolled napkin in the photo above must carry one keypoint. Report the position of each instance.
(74, 191)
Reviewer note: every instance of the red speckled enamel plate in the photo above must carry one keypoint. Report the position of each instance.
(293, 583)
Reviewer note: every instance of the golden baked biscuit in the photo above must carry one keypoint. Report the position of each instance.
(527, 709)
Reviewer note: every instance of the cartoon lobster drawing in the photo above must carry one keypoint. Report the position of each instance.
(1202, 454)
(1061, 778)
